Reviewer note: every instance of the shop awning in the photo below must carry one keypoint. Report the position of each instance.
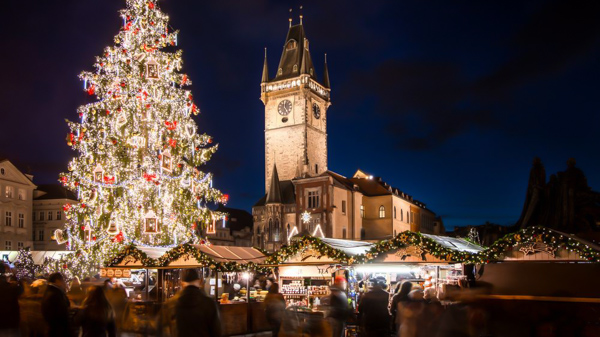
(37, 255)
(455, 243)
(242, 255)
(350, 247)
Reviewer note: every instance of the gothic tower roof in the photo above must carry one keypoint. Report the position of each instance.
(325, 74)
(265, 72)
(295, 58)
(274, 194)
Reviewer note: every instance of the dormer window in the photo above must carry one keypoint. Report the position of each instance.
(311, 72)
(292, 44)
(295, 68)
(280, 71)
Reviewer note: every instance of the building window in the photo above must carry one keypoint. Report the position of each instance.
(10, 192)
(8, 219)
(277, 231)
(32, 216)
(270, 229)
(41, 235)
(362, 211)
(2, 171)
(7, 245)
(58, 215)
(21, 194)
(316, 168)
(407, 217)
(395, 233)
(343, 206)
(401, 215)
(394, 213)
(295, 69)
(381, 211)
(41, 216)
(20, 245)
(344, 233)
(292, 44)
(313, 199)
(49, 216)
(412, 217)
(21, 220)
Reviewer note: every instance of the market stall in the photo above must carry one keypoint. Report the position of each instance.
(221, 266)
(541, 262)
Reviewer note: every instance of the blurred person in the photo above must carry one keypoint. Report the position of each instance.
(55, 307)
(117, 297)
(274, 308)
(428, 321)
(374, 316)
(195, 312)
(96, 316)
(9, 310)
(409, 312)
(338, 303)
(76, 293)
(402, 291)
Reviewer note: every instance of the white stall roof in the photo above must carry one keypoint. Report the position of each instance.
(455, 243)
(37, 255)
(350, 247)
(236, 254)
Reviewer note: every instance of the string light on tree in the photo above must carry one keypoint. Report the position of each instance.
(138, 151)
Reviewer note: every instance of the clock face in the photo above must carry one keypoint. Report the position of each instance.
(284, 108)
(316, 111)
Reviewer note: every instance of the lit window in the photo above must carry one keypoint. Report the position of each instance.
(7, 245)
(49, 216)
(381, 211)
(295, 69)
(21, 194)
(313, 199)
(8, 219)
(58, 215)
(362, 211)
(21, 220)
(292, 44)
(20, 245)
(10, 191)
(343, 206)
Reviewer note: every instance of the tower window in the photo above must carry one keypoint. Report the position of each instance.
(394, 212)
(295, 68)
(292, 44)
(381, 211)
(343, 206)
(316, 168)
(362, 211)
(280, 71)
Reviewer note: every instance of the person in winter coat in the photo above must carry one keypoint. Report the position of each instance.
(56, 306)
(338, 303)
(9, 310)
(274, 307)
(404, 289)
(195, 312)
(373, 312)
(97, 318)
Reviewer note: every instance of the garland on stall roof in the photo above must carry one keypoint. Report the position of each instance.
(537, 234)
(430, 246)
(186, 251)
(311, 242)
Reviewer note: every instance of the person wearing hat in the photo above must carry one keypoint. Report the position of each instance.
(373, 312)
(338, 303)
(196, 313)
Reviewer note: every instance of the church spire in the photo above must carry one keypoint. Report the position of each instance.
(274, 193)
(265, 73)
(325, 74)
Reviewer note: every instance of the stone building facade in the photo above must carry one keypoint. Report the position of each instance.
(301, 194)
(16, 193)
(48, 215)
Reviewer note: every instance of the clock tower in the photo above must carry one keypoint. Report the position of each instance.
(296, 104)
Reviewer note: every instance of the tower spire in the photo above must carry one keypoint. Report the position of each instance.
(325, 73)
(290, 19)
(301, 16)
(265, 72)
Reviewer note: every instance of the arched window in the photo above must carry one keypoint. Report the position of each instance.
(277, 231)
(381, 211)
(362, 234)
(292, 44)
(362, 211)
(401, 215)
(295, 69)
(394, 213)
(395, 233)
(270, 238)
(344, 233)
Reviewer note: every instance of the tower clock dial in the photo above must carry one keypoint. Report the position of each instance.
(316, 111)
(285, 107)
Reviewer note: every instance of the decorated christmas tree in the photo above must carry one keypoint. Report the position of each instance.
(25, 268)
(136, 173)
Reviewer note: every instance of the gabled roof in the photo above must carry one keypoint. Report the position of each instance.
(242, 218)
(298, 56)
(20, 176)
(288, 194)
(55, 191)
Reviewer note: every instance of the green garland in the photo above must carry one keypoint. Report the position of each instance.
(311, 242)
(538, 234)
(409, 238)
(182, 251)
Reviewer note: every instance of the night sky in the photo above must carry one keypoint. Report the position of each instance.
(447, 100)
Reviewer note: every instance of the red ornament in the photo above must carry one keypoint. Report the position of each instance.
(172, 142)
(64, 180)
(209, 140)
(82, 205)
(66, 207)
(225, 198)
(149, 177)
(65, 266)
(91, 90)
(171, 125)
(150, 5)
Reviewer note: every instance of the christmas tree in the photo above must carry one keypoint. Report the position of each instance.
(136, 173)
(24, 266)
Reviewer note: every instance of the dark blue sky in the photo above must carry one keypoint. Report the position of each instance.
(447, 100)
